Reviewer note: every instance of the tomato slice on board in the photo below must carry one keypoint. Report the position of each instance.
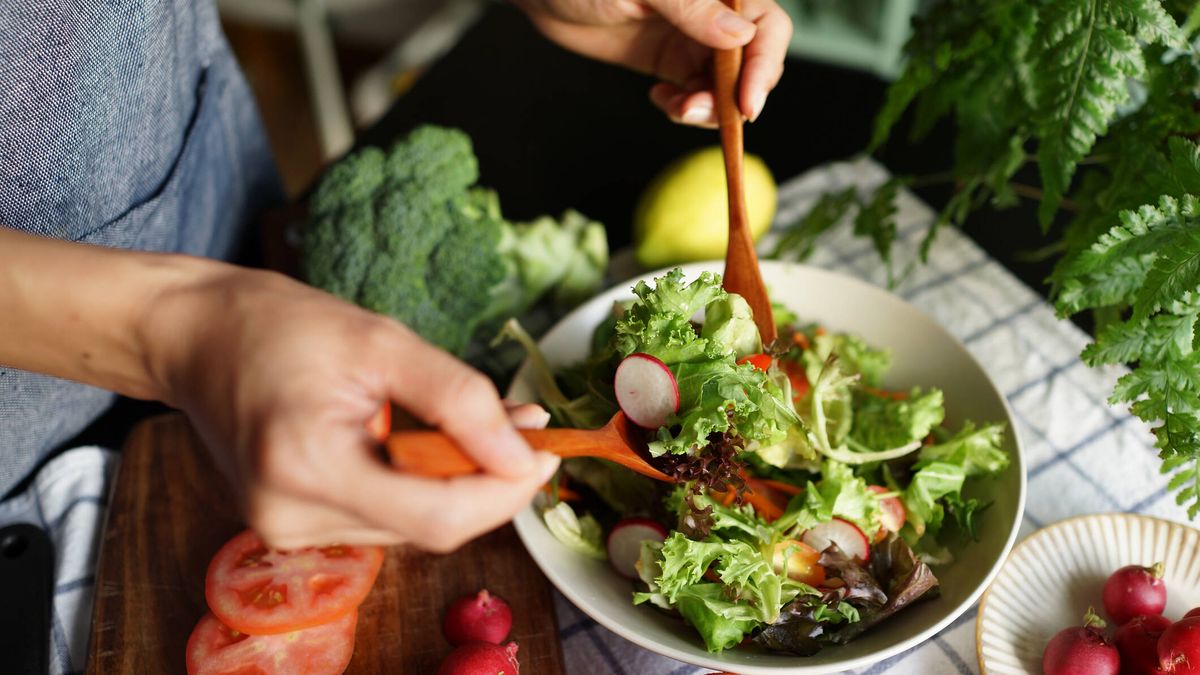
(261, 591)
(216, 649)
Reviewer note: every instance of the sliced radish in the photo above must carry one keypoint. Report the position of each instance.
(646, 390)
(625, 543)
(892, 514)
(845, 534)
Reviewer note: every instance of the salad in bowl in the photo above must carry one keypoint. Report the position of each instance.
(811, 503)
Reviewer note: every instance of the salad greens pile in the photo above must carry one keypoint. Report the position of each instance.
(810, 502)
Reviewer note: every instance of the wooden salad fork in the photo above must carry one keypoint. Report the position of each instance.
(742, 274)
(433, 454)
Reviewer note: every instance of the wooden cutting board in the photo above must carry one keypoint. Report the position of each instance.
(170, 511)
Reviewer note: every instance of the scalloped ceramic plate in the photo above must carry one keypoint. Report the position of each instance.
(1057, 572)
(923, 353)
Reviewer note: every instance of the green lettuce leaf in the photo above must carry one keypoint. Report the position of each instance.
(839, 494)
(882, 423)
(718, 395)
(729, 322)
(976, 450)
(659, 324)
(580, 534)
(934, 481)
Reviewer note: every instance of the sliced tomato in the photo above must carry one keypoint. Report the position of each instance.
(216, 649)
(798, 378)
(261, 591)
(760, 361)
(894, 513)
(380, 424)
(801, 561)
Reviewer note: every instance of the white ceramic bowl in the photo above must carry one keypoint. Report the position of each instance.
(1057, 572)
(923, 353)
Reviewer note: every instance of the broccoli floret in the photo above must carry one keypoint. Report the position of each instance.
(405, 234)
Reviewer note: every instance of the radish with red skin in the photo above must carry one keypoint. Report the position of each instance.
(892, 513)
(646, 390)
(1192, 613)
(481, 658)
(844, 533)
(1137, 642)
(482, 617)
(1134, 590)
(1082, 650)
(625, 543)
(1179, 648)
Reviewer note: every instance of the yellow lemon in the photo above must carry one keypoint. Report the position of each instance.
(684, 213)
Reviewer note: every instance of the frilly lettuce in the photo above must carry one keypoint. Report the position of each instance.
(716, 394)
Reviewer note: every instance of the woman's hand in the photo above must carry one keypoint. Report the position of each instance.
(673, 40)
(281, 379)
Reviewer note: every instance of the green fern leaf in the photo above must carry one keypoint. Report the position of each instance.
(877, 219)
(799, 241)
(1149, 21)
(1083, 58)
(1176, 271)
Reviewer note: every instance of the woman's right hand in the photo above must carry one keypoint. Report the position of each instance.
(280, 380)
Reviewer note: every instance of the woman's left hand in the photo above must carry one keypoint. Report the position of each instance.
(673, 40)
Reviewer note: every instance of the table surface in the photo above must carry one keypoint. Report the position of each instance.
(169, 513)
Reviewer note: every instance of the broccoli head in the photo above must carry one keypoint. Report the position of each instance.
(405, 233)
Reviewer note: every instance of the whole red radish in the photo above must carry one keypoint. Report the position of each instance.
(481, 658)
(482, 617)
(1137, 641)
(1179, 648)
(1134, 590)
(1192, 613)
(1081, 650)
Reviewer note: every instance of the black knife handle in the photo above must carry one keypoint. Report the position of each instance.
(26, 590)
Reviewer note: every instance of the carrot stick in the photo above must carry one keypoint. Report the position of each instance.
(565, 493)
(883, 393)
(783, 487)
(763, 505)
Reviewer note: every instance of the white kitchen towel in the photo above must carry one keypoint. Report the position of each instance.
(67, 500)
(1084, 455)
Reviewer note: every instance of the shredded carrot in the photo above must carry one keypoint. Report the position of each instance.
(801, 340)
(884, 393)
(783, 487)
(565, 493)
(820, 331)
(763, 505)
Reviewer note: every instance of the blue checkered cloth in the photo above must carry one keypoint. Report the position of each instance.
(1101, 459)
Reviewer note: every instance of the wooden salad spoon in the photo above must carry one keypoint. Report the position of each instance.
(742, 274)
(430, 453)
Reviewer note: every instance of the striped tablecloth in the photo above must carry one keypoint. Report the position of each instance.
(1084, 455)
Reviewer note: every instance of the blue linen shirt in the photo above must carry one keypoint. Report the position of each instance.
(123, 123)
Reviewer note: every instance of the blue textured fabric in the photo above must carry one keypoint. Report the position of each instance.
(123, 123)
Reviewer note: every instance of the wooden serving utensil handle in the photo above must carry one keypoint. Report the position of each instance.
(742, 275)
(433, 454)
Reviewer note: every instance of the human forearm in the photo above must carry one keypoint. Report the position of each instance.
(79, 312)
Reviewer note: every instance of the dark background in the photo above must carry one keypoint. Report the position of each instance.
(553, 131)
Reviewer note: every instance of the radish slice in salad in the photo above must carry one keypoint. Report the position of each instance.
(646, 390)
(845, 534)
(625, 543)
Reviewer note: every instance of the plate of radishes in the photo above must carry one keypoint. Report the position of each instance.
(1103, 594)
(606, 562)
